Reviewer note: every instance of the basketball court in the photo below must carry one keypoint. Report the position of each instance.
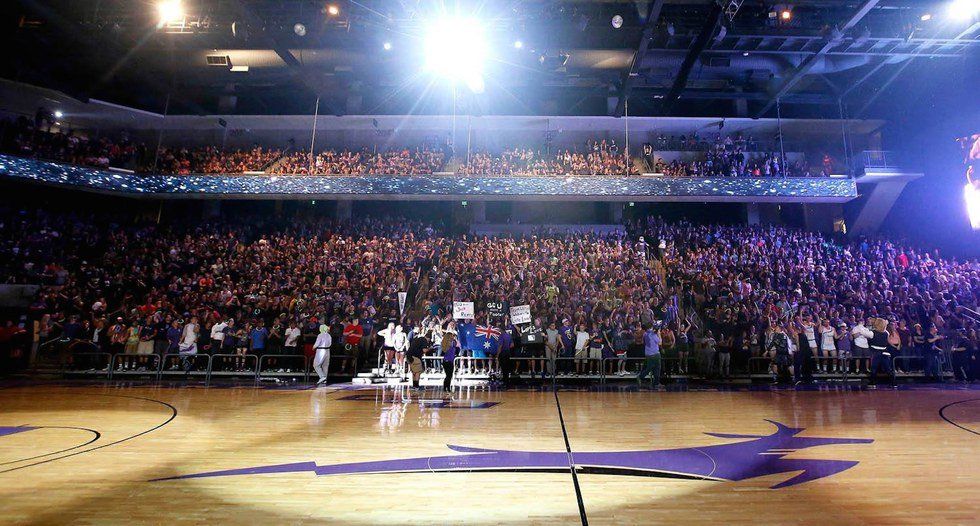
(108, 453)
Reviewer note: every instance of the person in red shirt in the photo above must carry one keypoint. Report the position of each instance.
(353, 333)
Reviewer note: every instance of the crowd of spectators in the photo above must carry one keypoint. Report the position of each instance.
(40, 138)
(405, 161)
(598, 158)
(735, 164)
(717, 296)
(212, 160)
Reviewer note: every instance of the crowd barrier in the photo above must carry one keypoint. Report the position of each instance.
(135, 364)
(185, 365)
(284, 365)
(98, 363)
(466, 367)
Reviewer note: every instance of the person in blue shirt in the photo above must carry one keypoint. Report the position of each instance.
(257, 338)
(651, 350)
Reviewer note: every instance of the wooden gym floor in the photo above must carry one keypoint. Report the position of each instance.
(111, 454)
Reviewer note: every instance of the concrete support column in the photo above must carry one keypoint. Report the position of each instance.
(753, 215)
(344, 210)
(479, 211)
(212, 208)
(616, 212)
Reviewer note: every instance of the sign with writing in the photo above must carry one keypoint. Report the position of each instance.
(520, 314)
(463, 310)
(495, 309)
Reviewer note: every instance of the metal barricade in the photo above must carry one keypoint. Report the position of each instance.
(89, 363)
(185, 364)
(234, 365)
(567, 367)
(470, 368)
(529, 367)
(135, 364)
(760, 366)
(626, 367)
(284, 365)
(349, 359)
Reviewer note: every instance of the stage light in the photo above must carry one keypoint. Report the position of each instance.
(926, 17)
(971, 194)
(58, 114)
(963, 9)
(786, 14)
(455, 49)
(745, 53)
(617, 21)
(169, 11)
(518, 44)
(300, 30)
(387, 46)
(333, 10)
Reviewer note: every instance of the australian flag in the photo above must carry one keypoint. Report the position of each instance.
(485, 338)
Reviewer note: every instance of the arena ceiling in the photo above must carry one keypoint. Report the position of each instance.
(669, 57)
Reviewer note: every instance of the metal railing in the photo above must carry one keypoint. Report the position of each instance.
(97, 363)
(234, 365)
(135, 364)
(284, 365)
(185, 364)
(880, 159)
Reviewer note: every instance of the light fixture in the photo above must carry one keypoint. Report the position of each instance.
(169, 11)
(387, 46)
(926, 17)
(518, 44)
(333, 10)
(58, 114)
(963, 9)
(617, 21)
(745, 53)
(786, 14)
(455, 49)
(670, 28)
(300, 30)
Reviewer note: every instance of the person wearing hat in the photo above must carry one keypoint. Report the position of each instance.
(321, 360)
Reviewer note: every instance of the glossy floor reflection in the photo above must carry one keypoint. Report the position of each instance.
(108, 453)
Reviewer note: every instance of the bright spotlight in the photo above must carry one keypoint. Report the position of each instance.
(333, 10)
(169, 11)
(58, 114)
(518, 44)
(786, 14)
(455, 49)
(617, 21)
(387, 46)
(964, 9)
(926, 17)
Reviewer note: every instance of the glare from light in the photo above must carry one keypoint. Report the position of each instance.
(617, 21)
(455, 49)
(333, 10)
(169, 11)
(387, 46)
(926, 17)
(299, 29)
(963, 9)
(58, 114)
(786, 14)
(518, 44)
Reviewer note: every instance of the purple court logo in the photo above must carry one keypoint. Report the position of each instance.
(755, 457)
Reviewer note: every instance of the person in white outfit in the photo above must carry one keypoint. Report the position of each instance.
(388, 346)
(400, 343)
(321, 361)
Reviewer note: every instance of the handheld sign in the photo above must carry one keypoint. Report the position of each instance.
(402, 296)
(495, 309)
(463, 310)
(520, 314)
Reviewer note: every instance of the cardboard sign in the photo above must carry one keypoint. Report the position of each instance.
(463, 310)
(495, 309)
(520, 314)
